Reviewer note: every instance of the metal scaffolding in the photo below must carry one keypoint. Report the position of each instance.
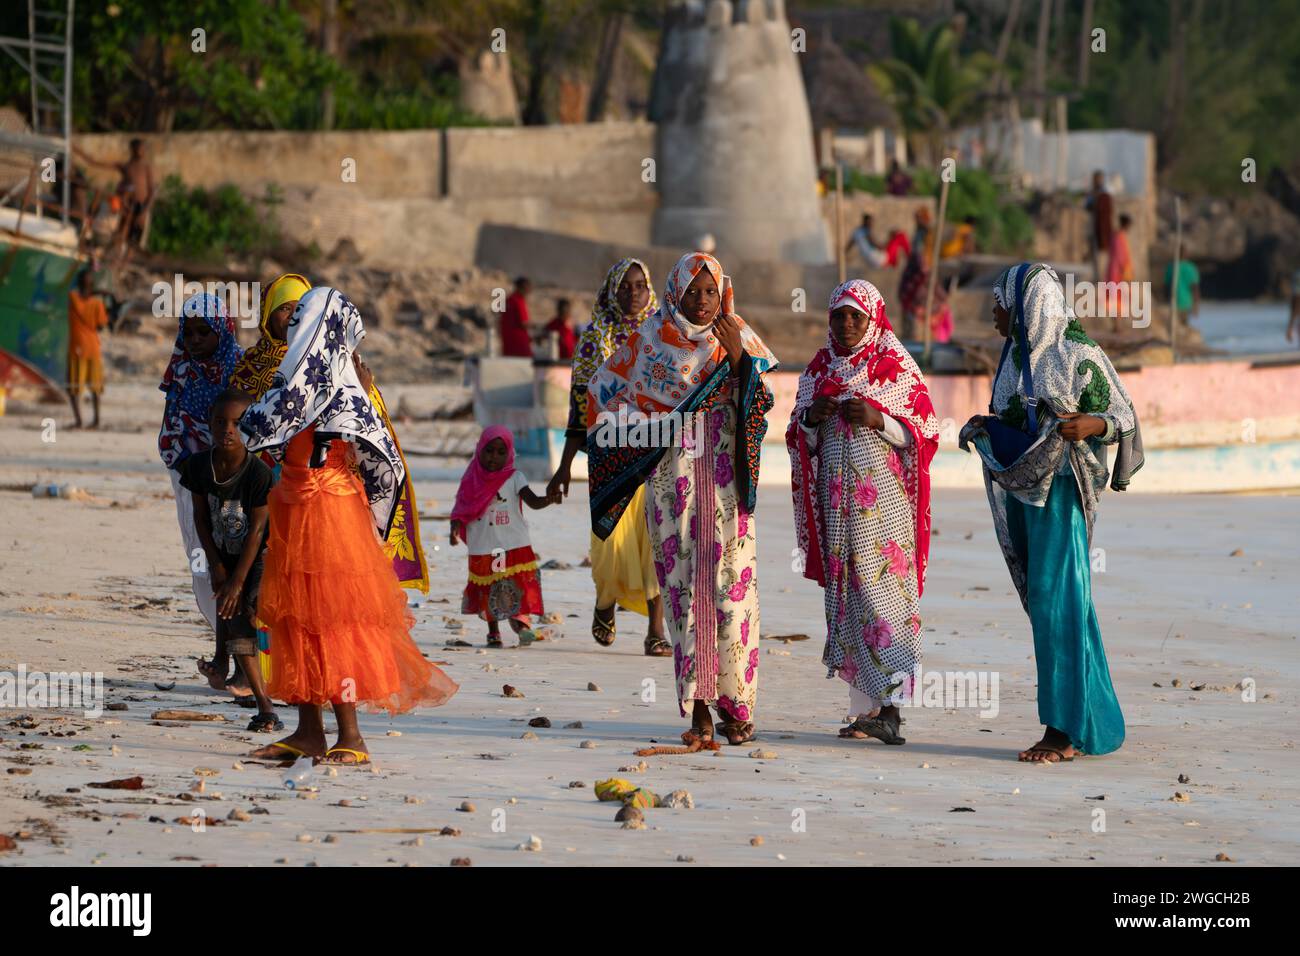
(46, 54)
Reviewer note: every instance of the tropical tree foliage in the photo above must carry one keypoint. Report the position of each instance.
(257, 64)
(932, 85)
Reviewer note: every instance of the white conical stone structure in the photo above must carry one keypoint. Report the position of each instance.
(734, 142)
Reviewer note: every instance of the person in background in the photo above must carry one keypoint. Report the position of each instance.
(1186, 289)
(872, 254)
(962, 242)
(515, 339)
(898, 183)
(897, 250)
(135, 190)
(1119, 271)
(562, 326)
(86, 316)
(914, 283)
(1099, 203)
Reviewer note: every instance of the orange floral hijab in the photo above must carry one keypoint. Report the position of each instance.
(668, 357)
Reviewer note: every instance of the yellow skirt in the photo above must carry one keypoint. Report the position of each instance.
(622, 565)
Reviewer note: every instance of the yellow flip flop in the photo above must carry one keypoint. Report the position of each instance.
(361, 758)
(289, 747)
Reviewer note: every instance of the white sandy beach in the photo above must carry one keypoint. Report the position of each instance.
(100, 585)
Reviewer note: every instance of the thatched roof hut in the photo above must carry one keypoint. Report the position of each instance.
(840, 94)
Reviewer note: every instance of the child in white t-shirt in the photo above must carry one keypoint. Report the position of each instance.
(489, 518)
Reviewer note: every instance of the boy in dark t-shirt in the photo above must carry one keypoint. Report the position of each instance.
(230, 489)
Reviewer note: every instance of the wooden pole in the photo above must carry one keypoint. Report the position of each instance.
(1173, 278)
(1062, 135)
(329, 42)
(1085, 43)
(934, 273)
(840, 258)
(1040, 59)
(27, 197)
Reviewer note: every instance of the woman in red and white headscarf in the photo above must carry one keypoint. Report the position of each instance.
(861, 439)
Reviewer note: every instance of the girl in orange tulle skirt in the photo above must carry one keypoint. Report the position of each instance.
(339, 624)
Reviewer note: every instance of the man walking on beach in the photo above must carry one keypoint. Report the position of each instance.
(1100, 205)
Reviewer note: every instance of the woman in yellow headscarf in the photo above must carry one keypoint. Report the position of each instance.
(257, 367)
(254, 371)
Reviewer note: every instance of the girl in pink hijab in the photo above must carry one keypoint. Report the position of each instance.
(488, 516)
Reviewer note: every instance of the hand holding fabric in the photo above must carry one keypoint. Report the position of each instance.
(1075, 426)
(858, 412)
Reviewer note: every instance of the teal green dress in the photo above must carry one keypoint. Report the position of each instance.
(1074, 690)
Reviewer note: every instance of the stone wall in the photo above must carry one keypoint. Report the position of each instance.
(420, 196)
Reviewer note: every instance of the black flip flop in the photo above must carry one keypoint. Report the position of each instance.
(265, 724)
(1043, 748)
(881, 729)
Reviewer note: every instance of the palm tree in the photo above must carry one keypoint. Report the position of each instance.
(931, 86)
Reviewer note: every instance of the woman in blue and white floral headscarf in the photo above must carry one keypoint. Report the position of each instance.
(319, 383)
(338, 620)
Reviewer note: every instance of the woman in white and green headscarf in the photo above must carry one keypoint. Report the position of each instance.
(1056, 389)
(622, 566)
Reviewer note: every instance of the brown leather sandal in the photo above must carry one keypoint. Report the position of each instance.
(603, 629)
(737, 732)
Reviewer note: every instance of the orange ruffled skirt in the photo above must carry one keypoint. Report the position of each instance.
(339, 622)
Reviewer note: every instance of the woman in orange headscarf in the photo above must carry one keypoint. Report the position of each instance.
(697, 367)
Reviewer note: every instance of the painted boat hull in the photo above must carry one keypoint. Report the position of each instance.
(34, 283)
(1222, 426)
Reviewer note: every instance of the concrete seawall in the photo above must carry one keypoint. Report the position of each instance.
(1230, 426)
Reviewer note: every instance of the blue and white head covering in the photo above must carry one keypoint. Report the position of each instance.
(191, 384)
(317, 384)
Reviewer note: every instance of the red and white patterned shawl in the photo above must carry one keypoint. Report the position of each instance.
(880, 371)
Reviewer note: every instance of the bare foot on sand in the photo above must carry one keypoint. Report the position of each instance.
(215, 673)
